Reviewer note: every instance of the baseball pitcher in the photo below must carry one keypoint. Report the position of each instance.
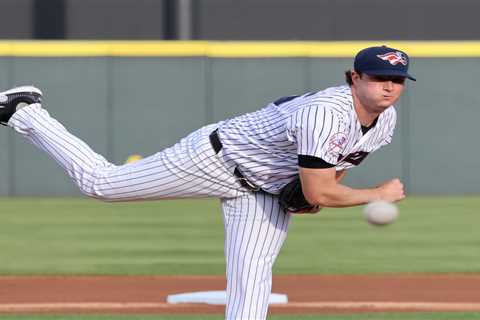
(288, 157)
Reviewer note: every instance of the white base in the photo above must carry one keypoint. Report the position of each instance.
(216, 298)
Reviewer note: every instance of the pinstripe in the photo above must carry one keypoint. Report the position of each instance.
(305, 132)
(77, 154)
(252, 249)
(282, 234)
(63, 159)
(76, 149)
(157, 169)
(161, 181)
(236, 265)
(59, 146)
(266, 259)
(231, 234)
(258, 230)
(323, 139)
(314, 124)
(244, 251)
(321, 133)
(44, 142)
(307, 121)
(245, 206)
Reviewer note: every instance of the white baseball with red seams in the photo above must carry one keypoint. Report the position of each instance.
(380, 212)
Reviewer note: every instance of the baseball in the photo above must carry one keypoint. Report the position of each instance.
(380, 213)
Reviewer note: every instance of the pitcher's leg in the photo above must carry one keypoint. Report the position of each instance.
(188, 169)
(255, 229)
(72, 154)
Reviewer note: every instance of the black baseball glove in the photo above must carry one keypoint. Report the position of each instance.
(291, 197)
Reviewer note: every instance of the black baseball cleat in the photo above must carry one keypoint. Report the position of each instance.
(15, 99)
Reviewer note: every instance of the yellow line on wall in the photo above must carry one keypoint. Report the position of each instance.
(231, 49)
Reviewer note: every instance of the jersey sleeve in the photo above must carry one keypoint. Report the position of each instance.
(320, 132)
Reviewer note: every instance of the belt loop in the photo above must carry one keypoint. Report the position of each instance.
(215, 141)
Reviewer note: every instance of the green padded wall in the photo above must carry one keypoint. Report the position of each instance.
(245, 85)
(155, 102)
(75, 92)
(125, 106)
(443, 126)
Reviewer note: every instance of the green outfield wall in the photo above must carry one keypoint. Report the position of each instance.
(127, 98)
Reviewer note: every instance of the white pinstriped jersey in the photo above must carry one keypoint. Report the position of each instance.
(266, 144)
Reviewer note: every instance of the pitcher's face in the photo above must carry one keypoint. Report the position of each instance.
(377, 93)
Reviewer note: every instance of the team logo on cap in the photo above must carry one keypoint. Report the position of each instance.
(394, 58)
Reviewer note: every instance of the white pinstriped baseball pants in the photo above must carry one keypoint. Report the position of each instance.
(255, 226)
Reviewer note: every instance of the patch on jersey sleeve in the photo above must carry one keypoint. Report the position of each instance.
(337, 142)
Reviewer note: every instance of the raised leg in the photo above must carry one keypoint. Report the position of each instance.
(188, 169)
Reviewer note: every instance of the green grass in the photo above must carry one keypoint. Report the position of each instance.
(372, 316)
(81, 236)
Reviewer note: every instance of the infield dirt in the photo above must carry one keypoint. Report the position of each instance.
(307, 294)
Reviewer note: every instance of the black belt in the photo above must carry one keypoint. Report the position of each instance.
(217, 146)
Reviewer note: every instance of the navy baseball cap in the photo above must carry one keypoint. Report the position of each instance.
(382, 61)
